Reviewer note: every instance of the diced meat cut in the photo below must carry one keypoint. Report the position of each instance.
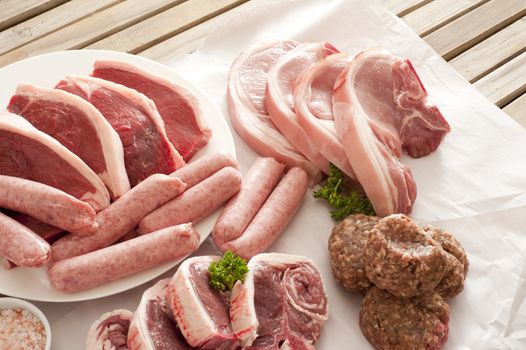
(153, 326)
(31, 154)
(147, 150)
(247, 82)
(77, 125)
(386, 92)
(387, 182)
(281, 305)
(201, 312)
(179, 108)
(313, 105)
(281, 80)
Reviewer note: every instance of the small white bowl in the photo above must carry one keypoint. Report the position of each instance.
(14, 303)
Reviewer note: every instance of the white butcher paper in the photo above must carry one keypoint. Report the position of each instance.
(473, 185)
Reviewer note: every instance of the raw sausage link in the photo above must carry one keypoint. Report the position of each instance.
(123, 259)
(273, 216)
(203, 168)
(121, 216)
(20, 245)
(257, 185)
(47, 204)
(196, 203)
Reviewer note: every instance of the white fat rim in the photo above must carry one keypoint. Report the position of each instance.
(115, 177)
(17, 124)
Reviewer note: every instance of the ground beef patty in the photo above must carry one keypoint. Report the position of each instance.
(453, 282)
(392, 323)
(347, 250)
(402, 259)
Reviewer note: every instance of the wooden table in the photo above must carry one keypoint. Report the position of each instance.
(484, 40)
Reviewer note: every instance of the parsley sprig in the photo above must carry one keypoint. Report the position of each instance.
(225, 272)
(342, 204)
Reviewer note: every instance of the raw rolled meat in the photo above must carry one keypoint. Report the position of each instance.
(110, 331)
(47, 204)
(247, 82)
(313, 106)
(281, 305)
(204, 167)
(183, 119)
(386, 91)
(121, 216)
(273, 217)
(21, 246)
(31, 154)
(281, 79)
(196, 203)
(201, 312)
(123, 259)
(153, 326)
(78, 126)
(257, 185)
(147, 149)
(387, 182)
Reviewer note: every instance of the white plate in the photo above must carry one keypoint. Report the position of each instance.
(47, 70)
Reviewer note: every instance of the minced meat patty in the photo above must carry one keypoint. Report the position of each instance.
(450, 244)
(392, 323)
(402, 259)
(453, 281)
(347, 250)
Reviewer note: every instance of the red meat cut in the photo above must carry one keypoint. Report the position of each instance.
(28, 153)
(77, 125)
(281, 305)
(147, 150)
(179, 108)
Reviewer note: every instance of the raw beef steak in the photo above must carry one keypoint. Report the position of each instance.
(31, 154)
(147, 150)
(281, 305)
(77, 125)
(183, 119)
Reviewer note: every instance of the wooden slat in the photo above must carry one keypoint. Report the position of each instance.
(439, 13)
(189, 40)
(506, 82)
(517, 110)
(49, 21)
(403, 7)
(492, 52)
(90, 29)
(164, 25)
(475, 26)
(16, 11)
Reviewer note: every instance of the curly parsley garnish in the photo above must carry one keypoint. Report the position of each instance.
(342, 204)
(225, 272)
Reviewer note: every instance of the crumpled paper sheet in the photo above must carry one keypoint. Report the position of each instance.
(473, 185)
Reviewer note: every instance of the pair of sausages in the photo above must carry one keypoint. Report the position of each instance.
(211, 180)
(121, 216)
(118, 221)
(259, 213)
